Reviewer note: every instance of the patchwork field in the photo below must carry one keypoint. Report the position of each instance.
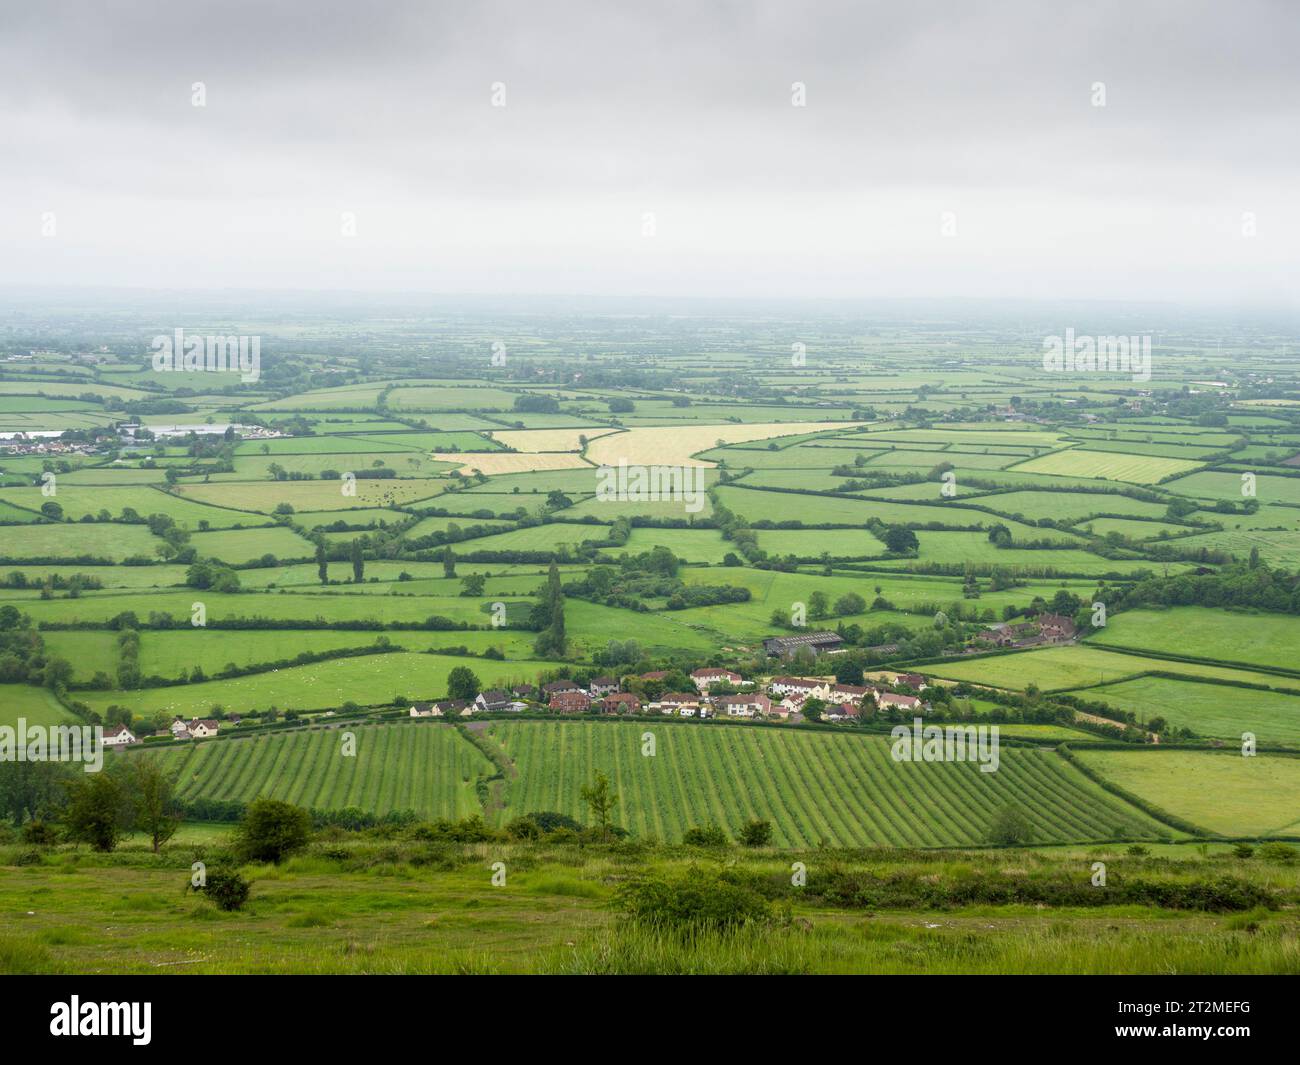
(374, 679)
(844, 790)
(1059, 668)
(1216, 710)
(678, 445)
(425, 767)
(1106, 465)
(1252, 639)
(1221, 792)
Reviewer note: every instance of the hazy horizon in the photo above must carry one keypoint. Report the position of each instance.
(942, 152)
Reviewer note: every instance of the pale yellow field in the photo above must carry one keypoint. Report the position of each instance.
(532, 441)
(495, 462)
(673, 445)
(1107, 465)
(264, 496)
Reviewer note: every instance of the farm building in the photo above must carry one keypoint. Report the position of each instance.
(819, 643)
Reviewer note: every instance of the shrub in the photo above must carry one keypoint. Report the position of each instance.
(1278, 852)
(693, 902)
(756, 833)
(1010, 827)
(709, 836)
(523, 828)
(226, 888)
(272, 830)
(39, 834)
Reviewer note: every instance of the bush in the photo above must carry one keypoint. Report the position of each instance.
(549, 821)
(693, 902)
(39, 834)
(756, 833)
(523, 828)
(1010, 827)
(272, 830)
(226, 888)
(1278, 852)
(709, 836)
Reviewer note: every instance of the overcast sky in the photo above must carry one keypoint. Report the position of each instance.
(676, 118)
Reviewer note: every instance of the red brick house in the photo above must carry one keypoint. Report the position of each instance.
(571, 702)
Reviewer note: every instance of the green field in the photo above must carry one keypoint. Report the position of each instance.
(843, 789)
(110, 540)
(425, 767)
(1106, 465)
(1059, 668)
(244, 545)
(1218, 710)
(37, 706)
(370, 680)
(1252, 639)
(1066, 506)
(1221, 792)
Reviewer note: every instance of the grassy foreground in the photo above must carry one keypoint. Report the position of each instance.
(363, 904)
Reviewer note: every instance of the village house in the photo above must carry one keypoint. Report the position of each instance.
(558, 687)
(706, 678)
(913, 680)
(818, 643)
(118, 736)
(571, 702)
(847, 692)
(524, 691)
(201, 730)
(845, 711)
(603, 686)
(791, 704)
(804, 686)
(886, 700)
(442, 708)
(620, 703)
(493, 699)
(1056, 628)
(674, 702)
(178, 726)
(744, 705)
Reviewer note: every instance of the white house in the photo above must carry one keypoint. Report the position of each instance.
(118, 736)
(805, 686)
(744, 705)
(704, 679)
